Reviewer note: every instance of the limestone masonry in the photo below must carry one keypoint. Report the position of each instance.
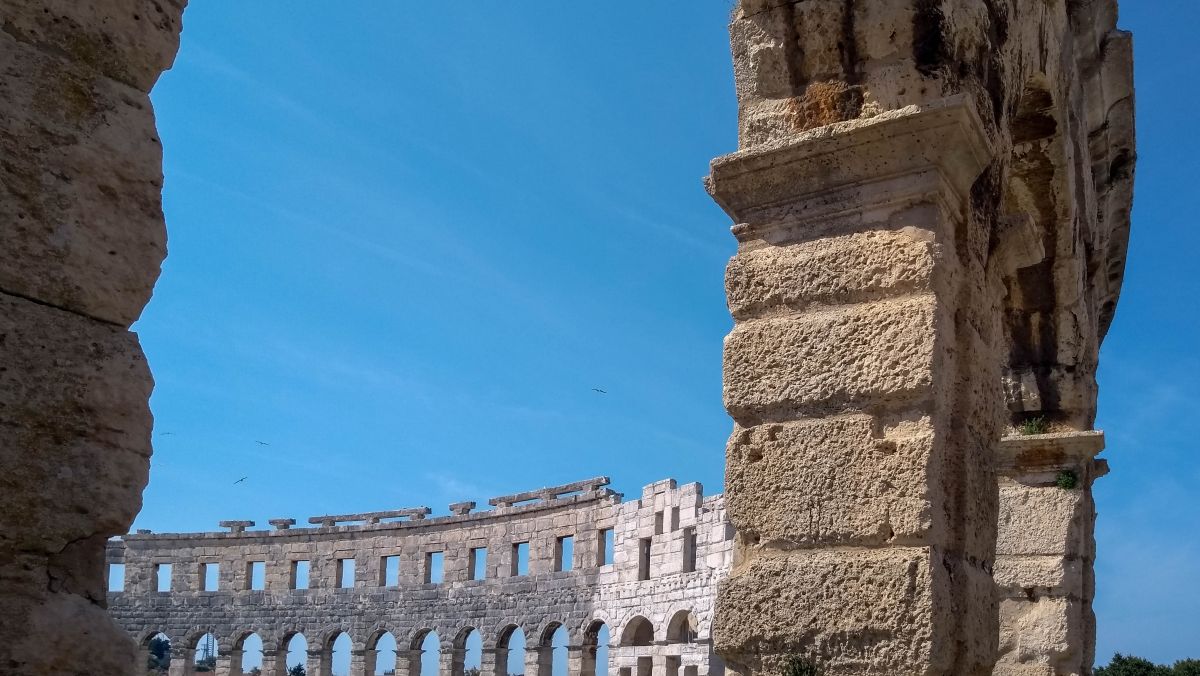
(931, 204)
(653, 585)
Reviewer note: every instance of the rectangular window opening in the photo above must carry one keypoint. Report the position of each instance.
(606, 547)
(256, 575)
(162, 577)
(210, 576)
(564, 553)
(345, 573)
(658, 523)
(644, 559)
(478, 563)
(299, 576)
(520, 558)
(689, 550)
(389, 571)
(116, 577)
(433, 568)
(674, 518)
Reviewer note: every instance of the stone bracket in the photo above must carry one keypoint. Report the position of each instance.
(1049, 452)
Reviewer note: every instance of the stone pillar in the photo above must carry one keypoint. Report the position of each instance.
(575, 659)
(180, 666)
(493, 662)
(235, 658)
(408, 663)
(1045, 553)
(83, 238)
(363, 662)
(225, 664)
(587, 661)
(450, 661)
(536, 662)
(274, 662)
(863, 382)
(318, 662)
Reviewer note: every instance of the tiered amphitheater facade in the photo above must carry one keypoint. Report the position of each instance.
(653, 586)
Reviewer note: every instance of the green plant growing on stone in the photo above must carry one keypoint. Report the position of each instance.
(800, 666)
(1036, 425)
(1066, 480)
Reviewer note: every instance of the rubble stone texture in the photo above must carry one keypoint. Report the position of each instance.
(656, 594)
(931, 201)
(82, 237)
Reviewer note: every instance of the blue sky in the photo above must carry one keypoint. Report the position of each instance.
(408, 239)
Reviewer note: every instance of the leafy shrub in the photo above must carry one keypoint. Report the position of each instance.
(1066, 480)
(1036, 425)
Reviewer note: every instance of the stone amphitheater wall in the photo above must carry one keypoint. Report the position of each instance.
(669, 548)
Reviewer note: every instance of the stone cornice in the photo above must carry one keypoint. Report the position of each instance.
(947, 136)
(1047, 452)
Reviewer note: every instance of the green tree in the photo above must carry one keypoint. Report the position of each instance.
(297, 670)
(1186, 668)
(1132, 666)
(160, 653)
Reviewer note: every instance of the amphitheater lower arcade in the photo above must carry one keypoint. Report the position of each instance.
(572, 557)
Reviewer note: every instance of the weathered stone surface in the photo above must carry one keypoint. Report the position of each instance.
(80, 187)
(1019, 575)
(1041, 634)
(82, 235)
(862, 266)
(1040, 520)
(131, 41)
(981, 115)
(75, 447)
(75, 420)
(832, 481)
(844, 357)
(820, 603)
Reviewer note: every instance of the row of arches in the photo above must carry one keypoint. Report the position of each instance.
(548, 652)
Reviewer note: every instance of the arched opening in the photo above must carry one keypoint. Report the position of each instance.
(204, 654)
(381, 654)
(684, 627)
(554, 650)
(156, 653)
(510, 649)
(247, 655)
(638, 632)
(297, 652)
(594, 660)
(468, 653)
(430, 646)
(336, 658)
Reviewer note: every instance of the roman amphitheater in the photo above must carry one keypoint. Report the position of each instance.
(931, 203)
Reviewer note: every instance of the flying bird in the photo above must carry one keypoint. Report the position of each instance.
(261, 443)
(597, 389)
(240, 480)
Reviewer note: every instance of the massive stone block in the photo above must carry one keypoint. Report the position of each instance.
(80, 189)
(83, 237)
